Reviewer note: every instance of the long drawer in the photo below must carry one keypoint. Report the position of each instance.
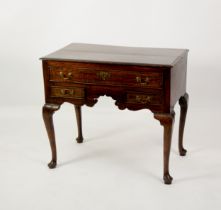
(101, 75)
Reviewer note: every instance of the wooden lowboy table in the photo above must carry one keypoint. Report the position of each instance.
(136, 78)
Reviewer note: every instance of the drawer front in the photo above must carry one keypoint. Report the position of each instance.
(148, 99)
(106, 75)
(67, 92)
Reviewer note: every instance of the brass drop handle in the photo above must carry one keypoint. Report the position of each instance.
(103, 75)
(65, 76)
(67, 92)
(143, 99)
(142, 81)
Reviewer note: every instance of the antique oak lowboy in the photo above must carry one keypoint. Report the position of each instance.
(136, 78)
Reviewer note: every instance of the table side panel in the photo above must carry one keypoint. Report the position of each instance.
(178, 80)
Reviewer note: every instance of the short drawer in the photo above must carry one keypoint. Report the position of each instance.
(103, 75)
(67, 92)
(141, 98)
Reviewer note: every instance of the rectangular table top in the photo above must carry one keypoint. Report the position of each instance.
(117, 54)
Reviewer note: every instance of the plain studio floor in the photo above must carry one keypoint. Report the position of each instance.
(119, 166)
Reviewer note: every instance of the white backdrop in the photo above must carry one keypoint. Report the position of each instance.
(110, 170)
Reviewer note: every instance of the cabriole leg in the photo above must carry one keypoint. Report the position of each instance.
(79, 123)
(183, 111)
(48, 111)
(166, 120)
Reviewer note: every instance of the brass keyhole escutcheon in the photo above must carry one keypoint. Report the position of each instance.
(103, 75)
(67, 92)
